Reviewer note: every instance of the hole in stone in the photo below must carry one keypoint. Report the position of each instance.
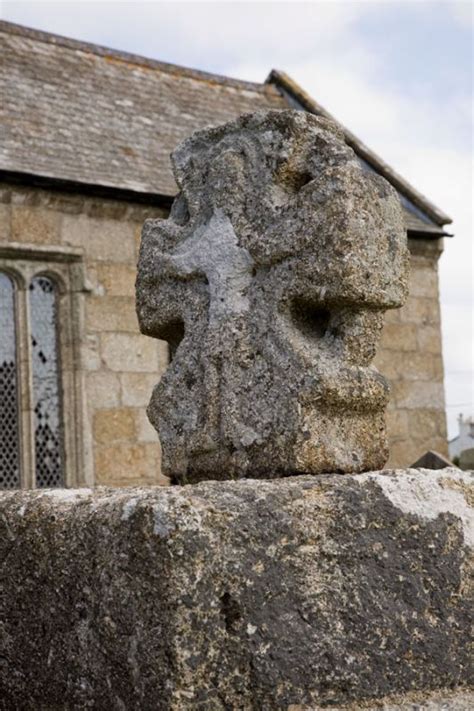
(230, 611)
(301, 180)
(190, 380)
(179, 210)
(174, 334)
(310, 319)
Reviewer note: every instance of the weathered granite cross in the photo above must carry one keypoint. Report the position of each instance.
(269, 281)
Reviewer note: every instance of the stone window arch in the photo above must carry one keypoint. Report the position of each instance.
(40, 393)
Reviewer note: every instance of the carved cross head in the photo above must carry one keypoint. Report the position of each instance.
(269, 281)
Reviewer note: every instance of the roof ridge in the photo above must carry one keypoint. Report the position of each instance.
(288, 85)
(127, 57)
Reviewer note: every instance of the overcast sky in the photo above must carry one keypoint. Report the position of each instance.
(398, 74)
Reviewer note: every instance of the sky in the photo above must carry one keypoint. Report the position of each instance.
(397, 74)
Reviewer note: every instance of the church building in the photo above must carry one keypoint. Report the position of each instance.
(86, 134)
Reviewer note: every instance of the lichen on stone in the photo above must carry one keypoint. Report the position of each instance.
(269, 281)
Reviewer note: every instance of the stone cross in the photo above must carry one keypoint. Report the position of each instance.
(269, 281)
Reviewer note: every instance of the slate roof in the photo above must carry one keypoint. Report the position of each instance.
(83, 114)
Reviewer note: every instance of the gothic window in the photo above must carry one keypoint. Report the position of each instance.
(40, 409)
(9, 413)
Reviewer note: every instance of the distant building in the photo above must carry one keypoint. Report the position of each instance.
(85, 138)
(465, 439)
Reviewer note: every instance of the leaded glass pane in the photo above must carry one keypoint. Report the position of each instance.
(46, 383)
(9, 421)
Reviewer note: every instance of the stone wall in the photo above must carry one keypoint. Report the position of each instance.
(410, 356)
(118, 367)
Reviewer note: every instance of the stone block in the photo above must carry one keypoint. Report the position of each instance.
(27, 197)
(138, 238)
(114, 425)
(5, 226)
(137, 388)
(90, 352)
(139, 213)
(35, 225)
(409, 365)
(399, 337)
(132, 353)
(420, 310)
(413, 365)
(144, 429)
(126, 464)
(397, 424)
(61, 202)
(111, 313)
(66, 203)
(116, 279)
(5, 194)
(407, 451)
(425, 250)
(429, 339)
(392, 316)
(413, 448)
(413, 394)
(107, 209)
(427, 424)
(389, 363)
(102, 239)
(424, 366)
(423, 280)
(103, 389)
(440, 444)
(252, 595)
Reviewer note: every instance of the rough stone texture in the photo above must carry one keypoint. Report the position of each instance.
(301, 592)
(269, 280)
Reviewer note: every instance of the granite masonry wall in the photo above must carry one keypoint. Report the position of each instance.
(116, 367)
(410, 356)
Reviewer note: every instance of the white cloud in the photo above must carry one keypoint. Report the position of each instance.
(463, 13)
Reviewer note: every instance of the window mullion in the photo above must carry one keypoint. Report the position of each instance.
(28, 479)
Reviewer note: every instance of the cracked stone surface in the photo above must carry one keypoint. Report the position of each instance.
(269, 280)
(299, 593)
